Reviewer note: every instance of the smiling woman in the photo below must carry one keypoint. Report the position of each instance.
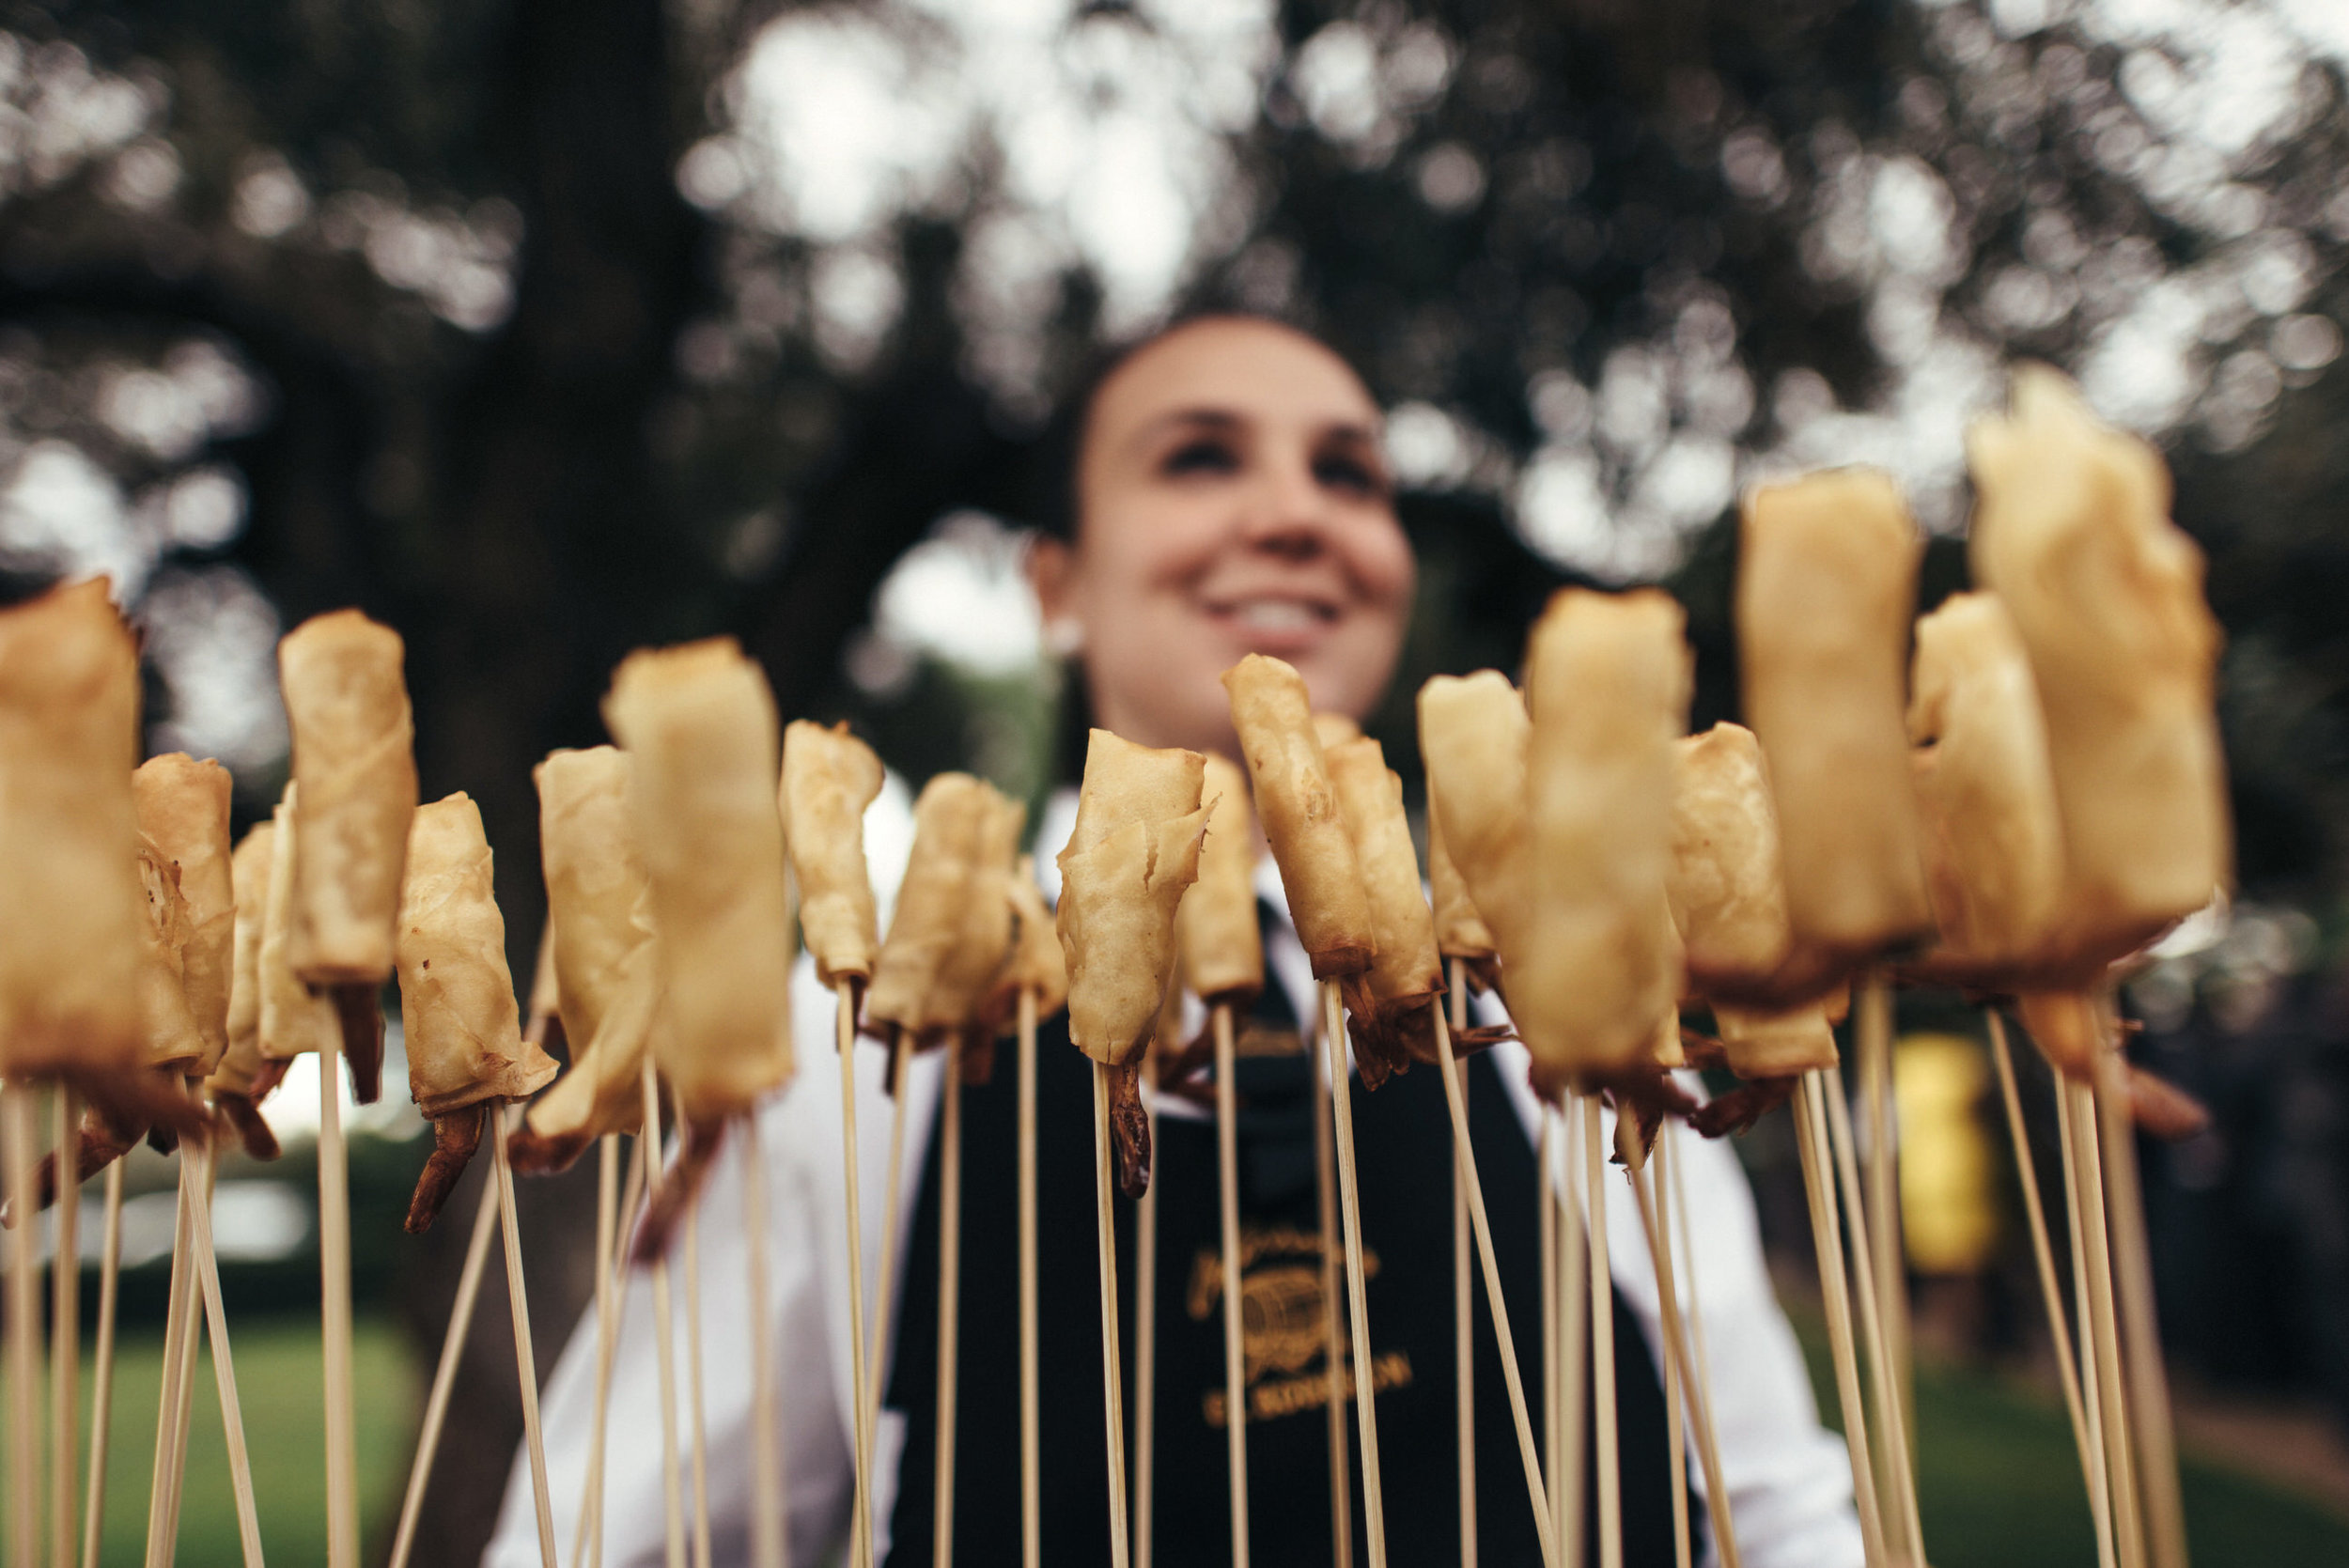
(1228, 495)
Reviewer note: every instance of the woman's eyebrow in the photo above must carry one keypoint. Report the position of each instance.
(1220, 420)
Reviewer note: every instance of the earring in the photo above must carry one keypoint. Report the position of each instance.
(1064, 637)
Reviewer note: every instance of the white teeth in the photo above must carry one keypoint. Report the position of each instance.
(1275, 615)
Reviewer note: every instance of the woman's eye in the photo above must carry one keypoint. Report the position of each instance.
(1201, 456)
(1350, 473)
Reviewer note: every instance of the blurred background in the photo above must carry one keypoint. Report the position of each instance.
(544, 330)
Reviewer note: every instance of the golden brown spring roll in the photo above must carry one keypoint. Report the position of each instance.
(1607, 684)
(829, 778)
(2072, 532)
(1728, 899)
(950, 817)
(699, 721)
(1460, 930)
(175, 1042)
(71, 930)
(183, 811)
(1223, 946)
(1472, 736)
(1037, 962)
(1827, 583)
(457, 1003)
(1133, 783)
(1394, 1026)
(249, 868)
(1319, 869)
(354, 757)
(294, 1020)
(1994, 843)
(1120, 885)
(1335, 729)
(542, 1015)
(967, 974)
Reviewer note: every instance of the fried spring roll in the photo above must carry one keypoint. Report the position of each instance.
(2073, 532)
(1335, 729)
(1472, 736)
(1827, 583)
(1994, 842)
(293, 1019)
(1728, 899)
(244, 1077)
(950, 817)
(354, 757)
(1608, 683)
(1319, 868)
(175, 1042)
(1223, 946)
(699, 721)
(829, 778)
(183, 812)
(1395, 1027)
(1036, 963)
(71, 930)
(1460, 930)
(958, 999)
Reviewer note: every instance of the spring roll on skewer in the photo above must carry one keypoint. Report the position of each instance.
(1221, 946)
(245, 1076)
(1473, 736)
(354, 759)
(950, 821)
(829, 778)
(962, 1003)
(1036, 962)
(1460, 929)
(1319, 867)
(183, 813)
(1135, 849)
(1394, 1027)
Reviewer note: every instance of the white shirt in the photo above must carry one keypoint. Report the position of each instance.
(1789, 1478)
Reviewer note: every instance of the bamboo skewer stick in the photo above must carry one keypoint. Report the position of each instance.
(2128, 1532)
(1602, 1342)
(65, 1321)
(102, 1379)
(1465, 1174)
(1227, 1215)
(1827, 1237)
(664, 1336)
(1547, 1213)
(700, 1453)
(1105, 1221)
(1146, 1333)
(949, 1312)
(2149, 1393)
(1332, 1336)
(1700, 1381)
(224, 1365)
(1031, 1471)
(1896, 1478)
(2043, 1254)
(769, 1529)
(525, 1362)
(885, 1289)
(445, 1374)
(24, 1350)
(1357, 1306)
(860, 1516)
(608, 1299)
(1570, 1503)
(2091, 1399)
(163, 1507)
(342, 1462)
(1880, 1122)
(1463, 1300)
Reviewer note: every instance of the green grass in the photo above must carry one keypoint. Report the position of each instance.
(285, 1429)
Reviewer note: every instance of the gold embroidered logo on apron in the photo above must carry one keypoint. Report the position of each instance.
(1283, 1325)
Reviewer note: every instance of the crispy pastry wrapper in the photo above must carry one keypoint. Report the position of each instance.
(959, 998)
(1762, 1043)
(829, 778)
(73, 934)
(1460, 930)
(294, 1018)
(1994, 843)
(1608, 683)
(2073, 532)
(1319, 868)
(545, 1006)
(1223, 946)
(354, 757)
(183, 811)
(457, 1001)
(1036, 961)
(175, 1042)
(1392, 1026)
(1335, 729)
(241, 1068)
(1473, 736)
(950, 817)
(1125, 783)
(1827, 583)
(604, 967)
(699, 721)
(1122, 877)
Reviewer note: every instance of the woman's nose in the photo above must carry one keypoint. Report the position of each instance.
(1288, 515)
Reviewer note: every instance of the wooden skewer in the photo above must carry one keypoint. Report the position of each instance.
(768, 1528)
(102, 1379)
(2128, 1530)
(1873, 1039)
(2091, 1401)
(1463, 1302)
(1146, 1332)
(1465, 1176)
(65, 1319)
(183, 1355)
(664, 1333)
(949, 1311)
(1031, 1471)
(1897, 1479)
(861, 1513)
(1332, 1337)
(700, 1452)
(1553, 1326)
(342, 1459)
(1602, 1341)
(525, 1362)
(1227, 1215)
(224, 1365)
(1700, 1384)
(1357, 1305)
(1827, 1237)
(1105, 1221)
(1567, 1503)
(885, 1290)
(611, 1303)
(445, 1374)
(2043, 1254)
(171, 1426)
(24, 1350)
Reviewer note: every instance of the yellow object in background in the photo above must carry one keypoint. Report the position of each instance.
(1949, 1199)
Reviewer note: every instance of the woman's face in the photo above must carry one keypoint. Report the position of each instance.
(1232, 498)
